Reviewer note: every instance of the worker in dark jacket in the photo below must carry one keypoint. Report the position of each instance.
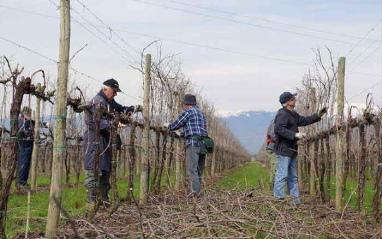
(194, 124)
(287, 122)
(25, 141)
(106, 98)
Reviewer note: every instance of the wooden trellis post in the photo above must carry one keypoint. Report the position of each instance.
(145, 137)
(178, 155)
(378, 182)
(60, 122)
(340, 160)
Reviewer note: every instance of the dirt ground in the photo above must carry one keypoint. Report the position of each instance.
(222, 213)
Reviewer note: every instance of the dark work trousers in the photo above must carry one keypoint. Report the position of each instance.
(25, 155)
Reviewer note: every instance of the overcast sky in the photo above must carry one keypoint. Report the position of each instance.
(240, 54)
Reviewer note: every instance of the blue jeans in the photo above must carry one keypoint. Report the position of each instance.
(286, 172)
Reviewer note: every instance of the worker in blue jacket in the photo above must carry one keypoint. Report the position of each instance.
(105, 97)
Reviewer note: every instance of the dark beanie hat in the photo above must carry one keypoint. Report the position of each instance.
(189, 99)
(286, 96)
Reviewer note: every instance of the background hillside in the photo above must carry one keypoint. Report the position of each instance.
(249, 127)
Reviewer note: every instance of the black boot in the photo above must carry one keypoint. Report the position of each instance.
(105, 193)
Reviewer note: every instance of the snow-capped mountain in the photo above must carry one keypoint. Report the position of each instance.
(249, 127)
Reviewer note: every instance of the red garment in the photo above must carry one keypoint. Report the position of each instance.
(268, 140)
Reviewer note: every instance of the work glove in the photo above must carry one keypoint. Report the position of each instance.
(138, 108)
(300, 135)
(42, 136)
(121, 125)
(322, 111)
(165, 127)
(177, 132)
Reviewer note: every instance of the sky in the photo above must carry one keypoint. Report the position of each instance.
(241, 55)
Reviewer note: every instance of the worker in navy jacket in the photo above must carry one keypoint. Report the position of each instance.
(287, 122)
(105, 97)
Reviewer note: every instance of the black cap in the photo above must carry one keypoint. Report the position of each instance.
(286, 96)
(189, 99)
(112, 84)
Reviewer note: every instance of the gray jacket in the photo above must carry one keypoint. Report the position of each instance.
(89, 135)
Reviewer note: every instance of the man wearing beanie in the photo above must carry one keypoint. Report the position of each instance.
(105, 97)
(194, 124)
(287, 122)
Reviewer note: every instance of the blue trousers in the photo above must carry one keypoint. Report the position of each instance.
(25, 155)
(286, 173)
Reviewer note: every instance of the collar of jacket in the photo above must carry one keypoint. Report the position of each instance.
(192, 107)
(100, 93)
(292, 112)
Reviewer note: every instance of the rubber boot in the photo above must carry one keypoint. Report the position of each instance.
(91, 200)
(105, 194)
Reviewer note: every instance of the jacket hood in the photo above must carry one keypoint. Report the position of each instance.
(100, 93)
